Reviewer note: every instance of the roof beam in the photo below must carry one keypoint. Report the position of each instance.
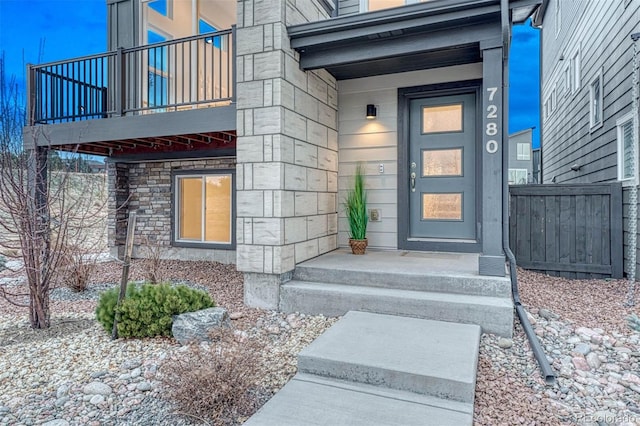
(398, 46)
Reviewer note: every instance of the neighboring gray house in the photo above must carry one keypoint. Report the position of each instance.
(521, 157)
(587, 133)
(239, 145)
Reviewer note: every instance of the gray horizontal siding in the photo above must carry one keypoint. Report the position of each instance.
(602, 30)
(348, 7)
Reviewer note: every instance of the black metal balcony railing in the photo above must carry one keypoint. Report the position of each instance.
(174, 75)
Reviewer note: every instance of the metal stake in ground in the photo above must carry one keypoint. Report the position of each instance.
(128, 249)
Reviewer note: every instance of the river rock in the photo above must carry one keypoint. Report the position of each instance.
(505, 343)
(97, 388)
(196, 326)
(593, 360)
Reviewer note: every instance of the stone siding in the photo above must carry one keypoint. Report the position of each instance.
(146, 189)
(287, 142)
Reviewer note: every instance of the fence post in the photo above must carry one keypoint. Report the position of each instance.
(128, 249)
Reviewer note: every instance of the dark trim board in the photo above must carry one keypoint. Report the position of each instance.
(177, 155)
(405, 95)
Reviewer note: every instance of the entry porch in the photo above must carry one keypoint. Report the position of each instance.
(431, 285)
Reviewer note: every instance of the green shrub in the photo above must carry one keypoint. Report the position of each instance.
(148, 310)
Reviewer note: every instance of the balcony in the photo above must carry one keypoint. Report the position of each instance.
(143, 99)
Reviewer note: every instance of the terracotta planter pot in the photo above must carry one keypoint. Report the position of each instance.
(358, 246)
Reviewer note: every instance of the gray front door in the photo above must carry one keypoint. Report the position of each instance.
(442, 168)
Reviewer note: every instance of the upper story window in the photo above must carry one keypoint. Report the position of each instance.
(371, 5)
(625, 147)
(558, 17)
(575, 72)
(595, 102)
(523, 151)
(163, 7)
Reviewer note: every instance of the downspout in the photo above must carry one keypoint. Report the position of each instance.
(633, 191)
(536, 347)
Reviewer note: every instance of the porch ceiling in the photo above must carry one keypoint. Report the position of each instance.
(423, 35)
(186, 145)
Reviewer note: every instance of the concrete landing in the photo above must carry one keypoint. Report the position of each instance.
(422, 356)
(373, 369)
(313, 401)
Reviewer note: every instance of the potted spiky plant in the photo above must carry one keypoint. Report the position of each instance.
(356, 209)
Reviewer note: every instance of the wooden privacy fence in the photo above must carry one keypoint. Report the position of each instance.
(572, 231)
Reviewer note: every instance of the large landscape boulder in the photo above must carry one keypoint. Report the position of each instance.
(195, 326)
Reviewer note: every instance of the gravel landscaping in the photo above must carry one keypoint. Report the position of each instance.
(75, 374)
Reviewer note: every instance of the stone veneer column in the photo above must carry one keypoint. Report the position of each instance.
(287, 149)
(118, 185)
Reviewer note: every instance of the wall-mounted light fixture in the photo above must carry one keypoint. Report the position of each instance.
(372, 111)
(576, 167)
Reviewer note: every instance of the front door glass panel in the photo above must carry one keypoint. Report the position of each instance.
(442, 118)
(441, 206)
(442, 162)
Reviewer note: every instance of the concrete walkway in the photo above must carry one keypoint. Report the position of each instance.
(373, 369)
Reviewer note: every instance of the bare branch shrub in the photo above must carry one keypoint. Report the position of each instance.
(77, 267)
(42, 210)
(152, 264)
(218, 381)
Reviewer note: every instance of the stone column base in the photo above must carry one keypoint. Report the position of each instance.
(263, 290)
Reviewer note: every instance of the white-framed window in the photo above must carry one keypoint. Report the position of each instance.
(558, 17)
(595, 102)
(625, 137)
(523, 151)
(567, 80)
(371, 5)
(203, 208)
(163, 7)
(517, 176)
(575, 72)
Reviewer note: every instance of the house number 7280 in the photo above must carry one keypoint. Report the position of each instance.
(492, 126)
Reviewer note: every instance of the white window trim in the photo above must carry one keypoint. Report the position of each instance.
(528, 156)
(593, 126)
(576, 80)
(620, 153)
(558, 18)
(526, 175)
(176, 210)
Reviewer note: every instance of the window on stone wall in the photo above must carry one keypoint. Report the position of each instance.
(625, 147)
(203, 208)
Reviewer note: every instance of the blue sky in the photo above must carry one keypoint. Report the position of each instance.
(72, 28)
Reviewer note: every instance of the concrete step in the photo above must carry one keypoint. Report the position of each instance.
(493, 314)
(402, 273)
(433, 358)
(314, 401)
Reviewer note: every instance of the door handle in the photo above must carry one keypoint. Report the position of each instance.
(413, 181)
